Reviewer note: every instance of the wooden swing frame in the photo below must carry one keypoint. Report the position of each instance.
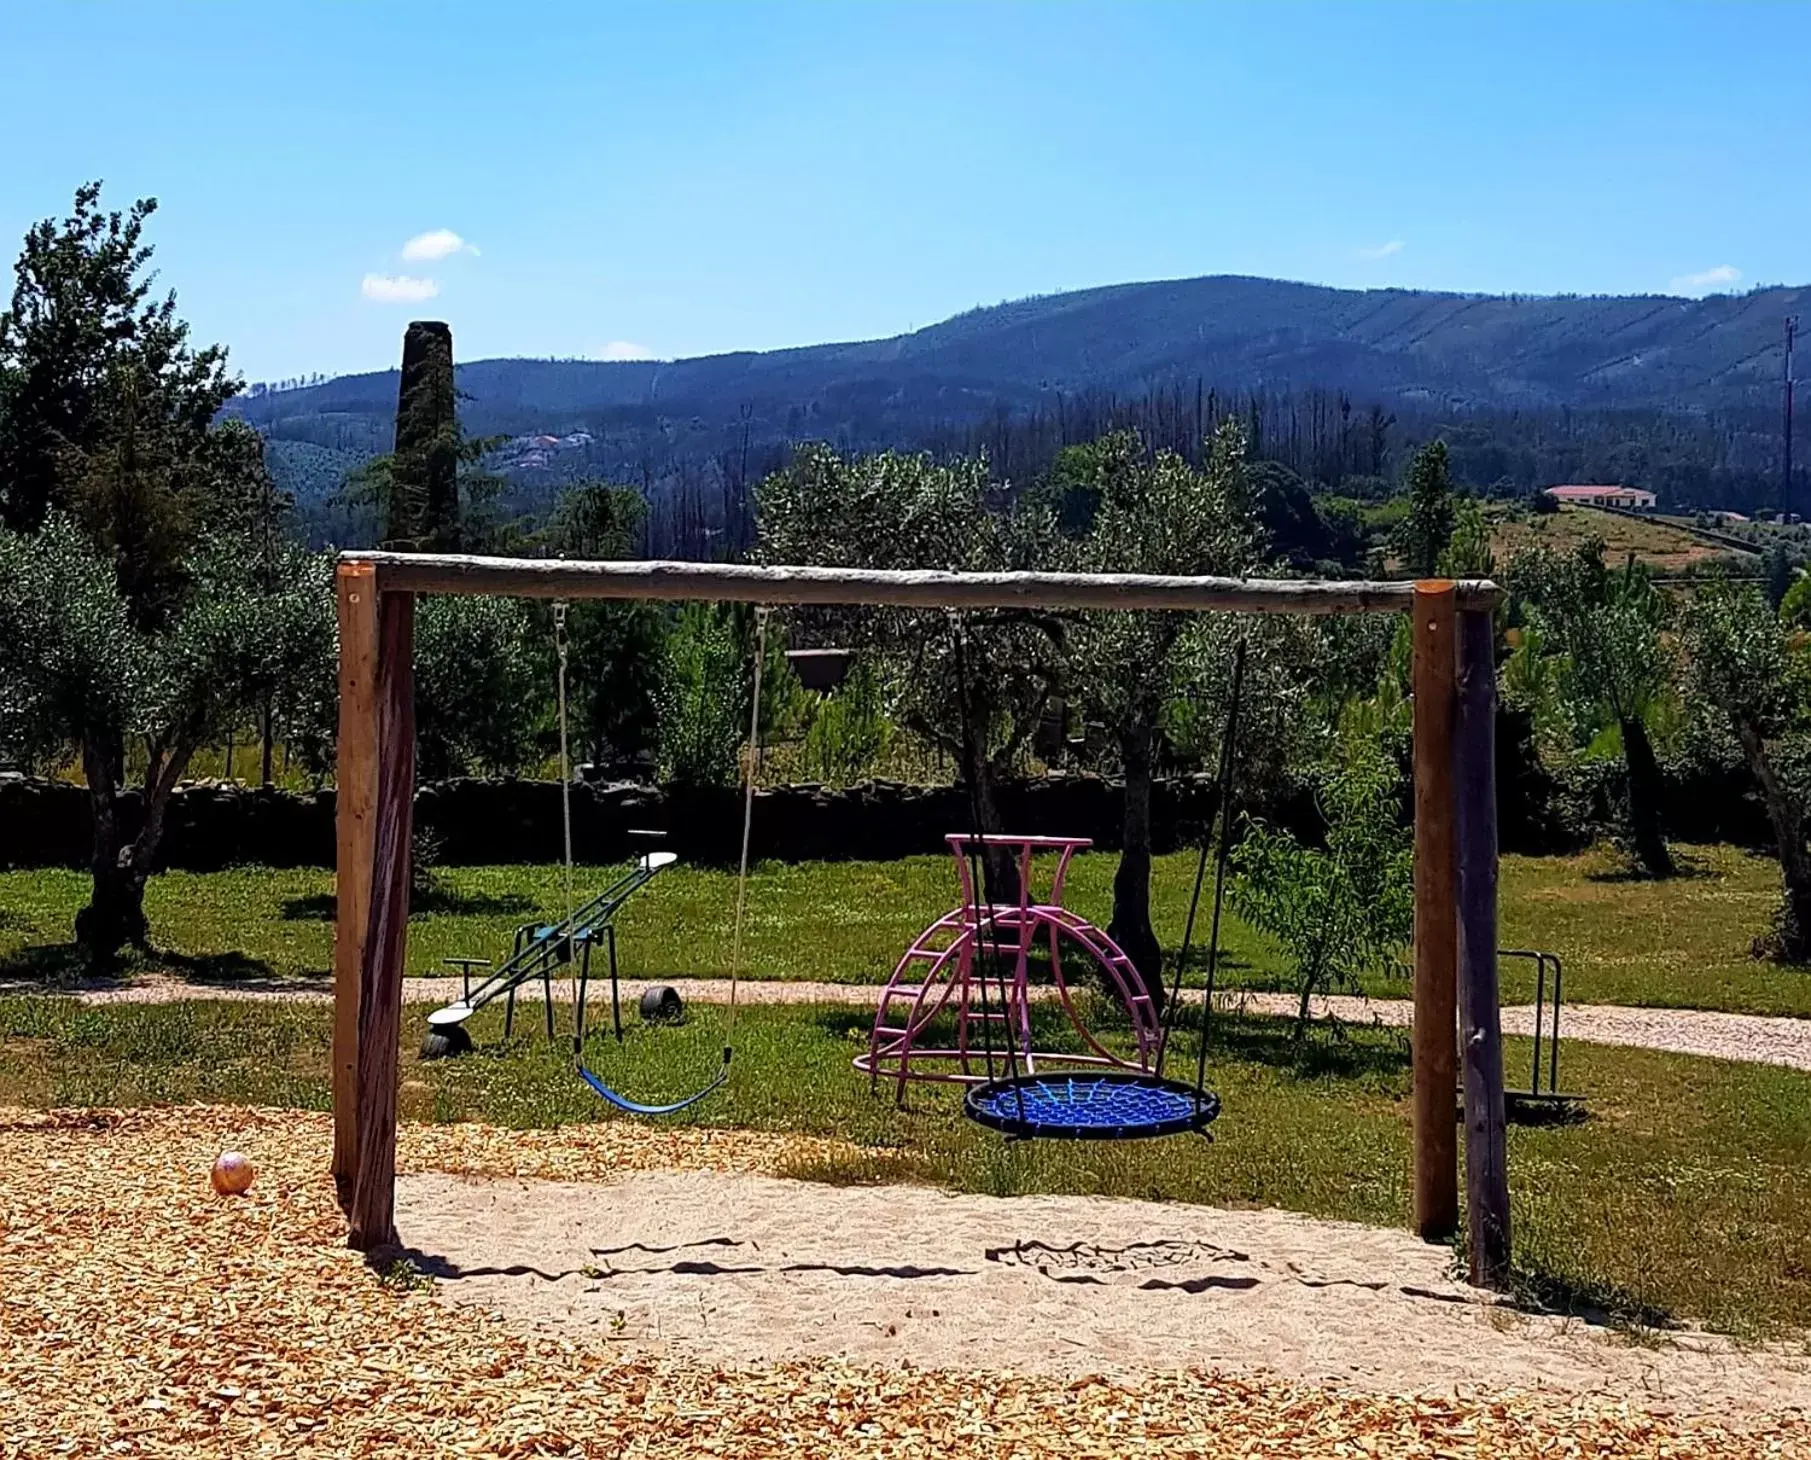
(1454, 679)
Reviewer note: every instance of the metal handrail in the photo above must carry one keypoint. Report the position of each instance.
(1541, 960)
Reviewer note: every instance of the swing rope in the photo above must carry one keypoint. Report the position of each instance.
(749, 777)
(1222, 814)
(980, 895)
(1213, 947)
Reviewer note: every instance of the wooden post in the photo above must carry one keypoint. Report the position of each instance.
(1480, 1023)
(373, 1212)
(1436, 1163)
(354, 795)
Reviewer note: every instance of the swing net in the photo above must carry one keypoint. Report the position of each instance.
(1030, 1103)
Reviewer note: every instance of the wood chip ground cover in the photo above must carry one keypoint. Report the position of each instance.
(142, 1315)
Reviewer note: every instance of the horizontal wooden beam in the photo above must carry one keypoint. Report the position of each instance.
(921, 588)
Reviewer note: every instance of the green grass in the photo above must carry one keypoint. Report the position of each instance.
(1686, 1196)
(1680, 943)
(838, 922)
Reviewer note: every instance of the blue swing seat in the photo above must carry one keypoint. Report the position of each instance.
(1110, 1105)
(635, 1107)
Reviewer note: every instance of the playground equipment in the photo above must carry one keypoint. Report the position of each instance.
(1126, 1103)
(666, 1001)
(539, 951)
(1535, 1106)
(1454, 703)
(941, 973)
(543, 949)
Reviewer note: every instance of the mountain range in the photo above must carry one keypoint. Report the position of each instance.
(1423, 355)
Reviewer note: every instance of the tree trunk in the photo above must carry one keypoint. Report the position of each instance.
(999, 870)
(1644, 798)
(1789, 832)
(115, 915)
(1305, 1005)
(1131, 923)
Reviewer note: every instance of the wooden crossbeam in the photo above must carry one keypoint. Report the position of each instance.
(926, 588)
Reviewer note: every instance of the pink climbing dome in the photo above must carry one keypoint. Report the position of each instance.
(960, 998)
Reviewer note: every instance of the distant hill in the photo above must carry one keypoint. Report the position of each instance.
(1428, 357)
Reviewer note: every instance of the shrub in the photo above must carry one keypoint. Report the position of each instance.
(703, 698)
(1340, 910)
(851, 729)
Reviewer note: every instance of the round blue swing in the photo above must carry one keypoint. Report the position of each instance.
(1113, 1105)
(1118, 1104)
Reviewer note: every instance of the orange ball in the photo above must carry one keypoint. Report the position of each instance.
(233, 1173)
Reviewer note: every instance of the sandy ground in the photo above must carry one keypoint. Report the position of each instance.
(140, 1315)
(747, 1269)
(1750, 1037)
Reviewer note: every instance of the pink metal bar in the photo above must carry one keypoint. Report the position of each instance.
(934, 976)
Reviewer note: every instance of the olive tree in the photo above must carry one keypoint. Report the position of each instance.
(81, 681)
(1343, 909)
(141, 618)
(976, 685)
(1743, 672)
(1606, 627)
(1149, 514)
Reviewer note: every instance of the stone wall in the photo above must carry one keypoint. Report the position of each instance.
(209, 826)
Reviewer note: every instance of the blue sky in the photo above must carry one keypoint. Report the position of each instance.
(687, 178)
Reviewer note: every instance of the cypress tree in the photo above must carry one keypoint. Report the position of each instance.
(1428, 528)
(424, 500)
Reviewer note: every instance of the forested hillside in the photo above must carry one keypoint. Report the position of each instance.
(1681, 395)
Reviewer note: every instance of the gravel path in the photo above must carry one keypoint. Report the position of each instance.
(1749, 1037)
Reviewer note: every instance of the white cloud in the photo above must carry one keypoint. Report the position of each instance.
(1706, 282)
(440, 243)
(625, 350)
(397, 289)
(1383, 250)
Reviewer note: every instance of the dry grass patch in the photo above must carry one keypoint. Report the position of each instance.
(1663, 546)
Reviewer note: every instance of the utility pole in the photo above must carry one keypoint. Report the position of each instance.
(1786, 455)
